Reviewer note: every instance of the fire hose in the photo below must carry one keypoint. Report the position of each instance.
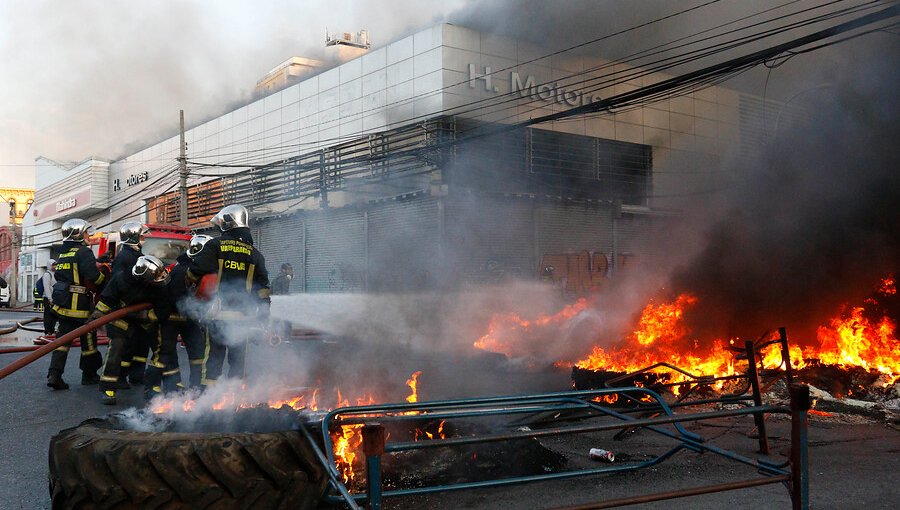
(21, 325)
(69, 337)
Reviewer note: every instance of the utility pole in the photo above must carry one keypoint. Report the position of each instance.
(182, 172)
(14, 267)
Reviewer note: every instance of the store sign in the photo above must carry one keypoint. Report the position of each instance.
(65, 204)
(54, 207)
(527, 87)
(131, 180)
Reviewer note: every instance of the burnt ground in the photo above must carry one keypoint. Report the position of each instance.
(854, 461)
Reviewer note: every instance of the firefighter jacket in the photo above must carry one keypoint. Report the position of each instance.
(239, 266)
(125, 258)
(76, 277)
(177, 288)
(126, 290)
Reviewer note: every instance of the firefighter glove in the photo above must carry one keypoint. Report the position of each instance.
(262, 313)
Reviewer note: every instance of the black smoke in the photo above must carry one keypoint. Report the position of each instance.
(815, 222)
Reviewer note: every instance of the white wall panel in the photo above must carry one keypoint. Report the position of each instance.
(427, 39)
(350, 91)
(350, 71)
(400, 50)
(400, 72)
(427, 62)
(374, 60)
(375, 81)
(329, 79)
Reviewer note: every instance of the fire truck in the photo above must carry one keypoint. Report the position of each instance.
(164, 241)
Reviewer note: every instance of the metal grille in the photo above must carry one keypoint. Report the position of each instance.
(335, 251)
(490, 239)
(403, 245)
(282, 240)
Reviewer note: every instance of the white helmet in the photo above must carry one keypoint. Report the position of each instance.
(150, 269)
(132, 233)
(197, 243)
(76, 229)
(231, 216)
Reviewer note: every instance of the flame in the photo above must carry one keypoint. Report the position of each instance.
(421, 434)
(663, 321)
(346, 439)
(412, 382)
(661, 336)
(506, 331)
(863, 336)
(347, 442)
(852, 339)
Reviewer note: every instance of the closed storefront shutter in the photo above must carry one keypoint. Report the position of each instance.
(635, 234)
(335, 251)
(281, 240)
(403, 245)
(490, 239)
(574, 245)
(573, 228)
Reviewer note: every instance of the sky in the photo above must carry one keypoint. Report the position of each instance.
(82, 78)
(101, 78)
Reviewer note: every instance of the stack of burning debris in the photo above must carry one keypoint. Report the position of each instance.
(853, 364)
(853, 369)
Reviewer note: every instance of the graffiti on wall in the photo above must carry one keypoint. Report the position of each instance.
(583, 272)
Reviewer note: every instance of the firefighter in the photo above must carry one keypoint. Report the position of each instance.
(134, 360)
(76, 272)
(241, 294)
(48, 280)
(145, 282)
(181, 323)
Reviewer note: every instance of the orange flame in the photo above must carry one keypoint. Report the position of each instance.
(346, 446)
(412, 382)
(855, 337)
(507, 330)
(852, 339)
(661, 336)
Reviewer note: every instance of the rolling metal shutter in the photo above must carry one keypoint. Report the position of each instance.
(564, 228)
(403, 245)
(335, 251)
(281, 240)
(490, 239)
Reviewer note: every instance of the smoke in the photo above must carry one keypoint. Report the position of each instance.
(94, 78)
(813, 225)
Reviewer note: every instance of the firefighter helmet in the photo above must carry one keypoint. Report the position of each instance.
(150, 269)
(231, 216)
(132, 233)
(197, 243)
(76, 229)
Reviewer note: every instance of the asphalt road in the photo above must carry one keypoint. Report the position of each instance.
(852, 465)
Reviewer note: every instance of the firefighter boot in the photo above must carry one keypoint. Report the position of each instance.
(55, 381)
(152, 391)
(89, 379)
(136, 373)
(108, 398)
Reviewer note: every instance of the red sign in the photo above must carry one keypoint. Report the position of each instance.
(64, 205)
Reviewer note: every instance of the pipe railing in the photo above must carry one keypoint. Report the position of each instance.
(793, 472)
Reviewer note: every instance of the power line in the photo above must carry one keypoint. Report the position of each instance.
(473, 106)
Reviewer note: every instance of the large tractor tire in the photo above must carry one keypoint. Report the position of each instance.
(100, 465)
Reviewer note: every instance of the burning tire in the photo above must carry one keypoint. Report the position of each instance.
(101, 464)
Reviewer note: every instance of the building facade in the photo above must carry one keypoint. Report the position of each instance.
(400, 169)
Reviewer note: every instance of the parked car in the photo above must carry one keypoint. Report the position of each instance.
(4, 295)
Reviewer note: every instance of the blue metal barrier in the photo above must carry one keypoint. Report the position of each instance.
(373, 418)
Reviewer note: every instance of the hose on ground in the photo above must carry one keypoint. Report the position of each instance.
(68, 337)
